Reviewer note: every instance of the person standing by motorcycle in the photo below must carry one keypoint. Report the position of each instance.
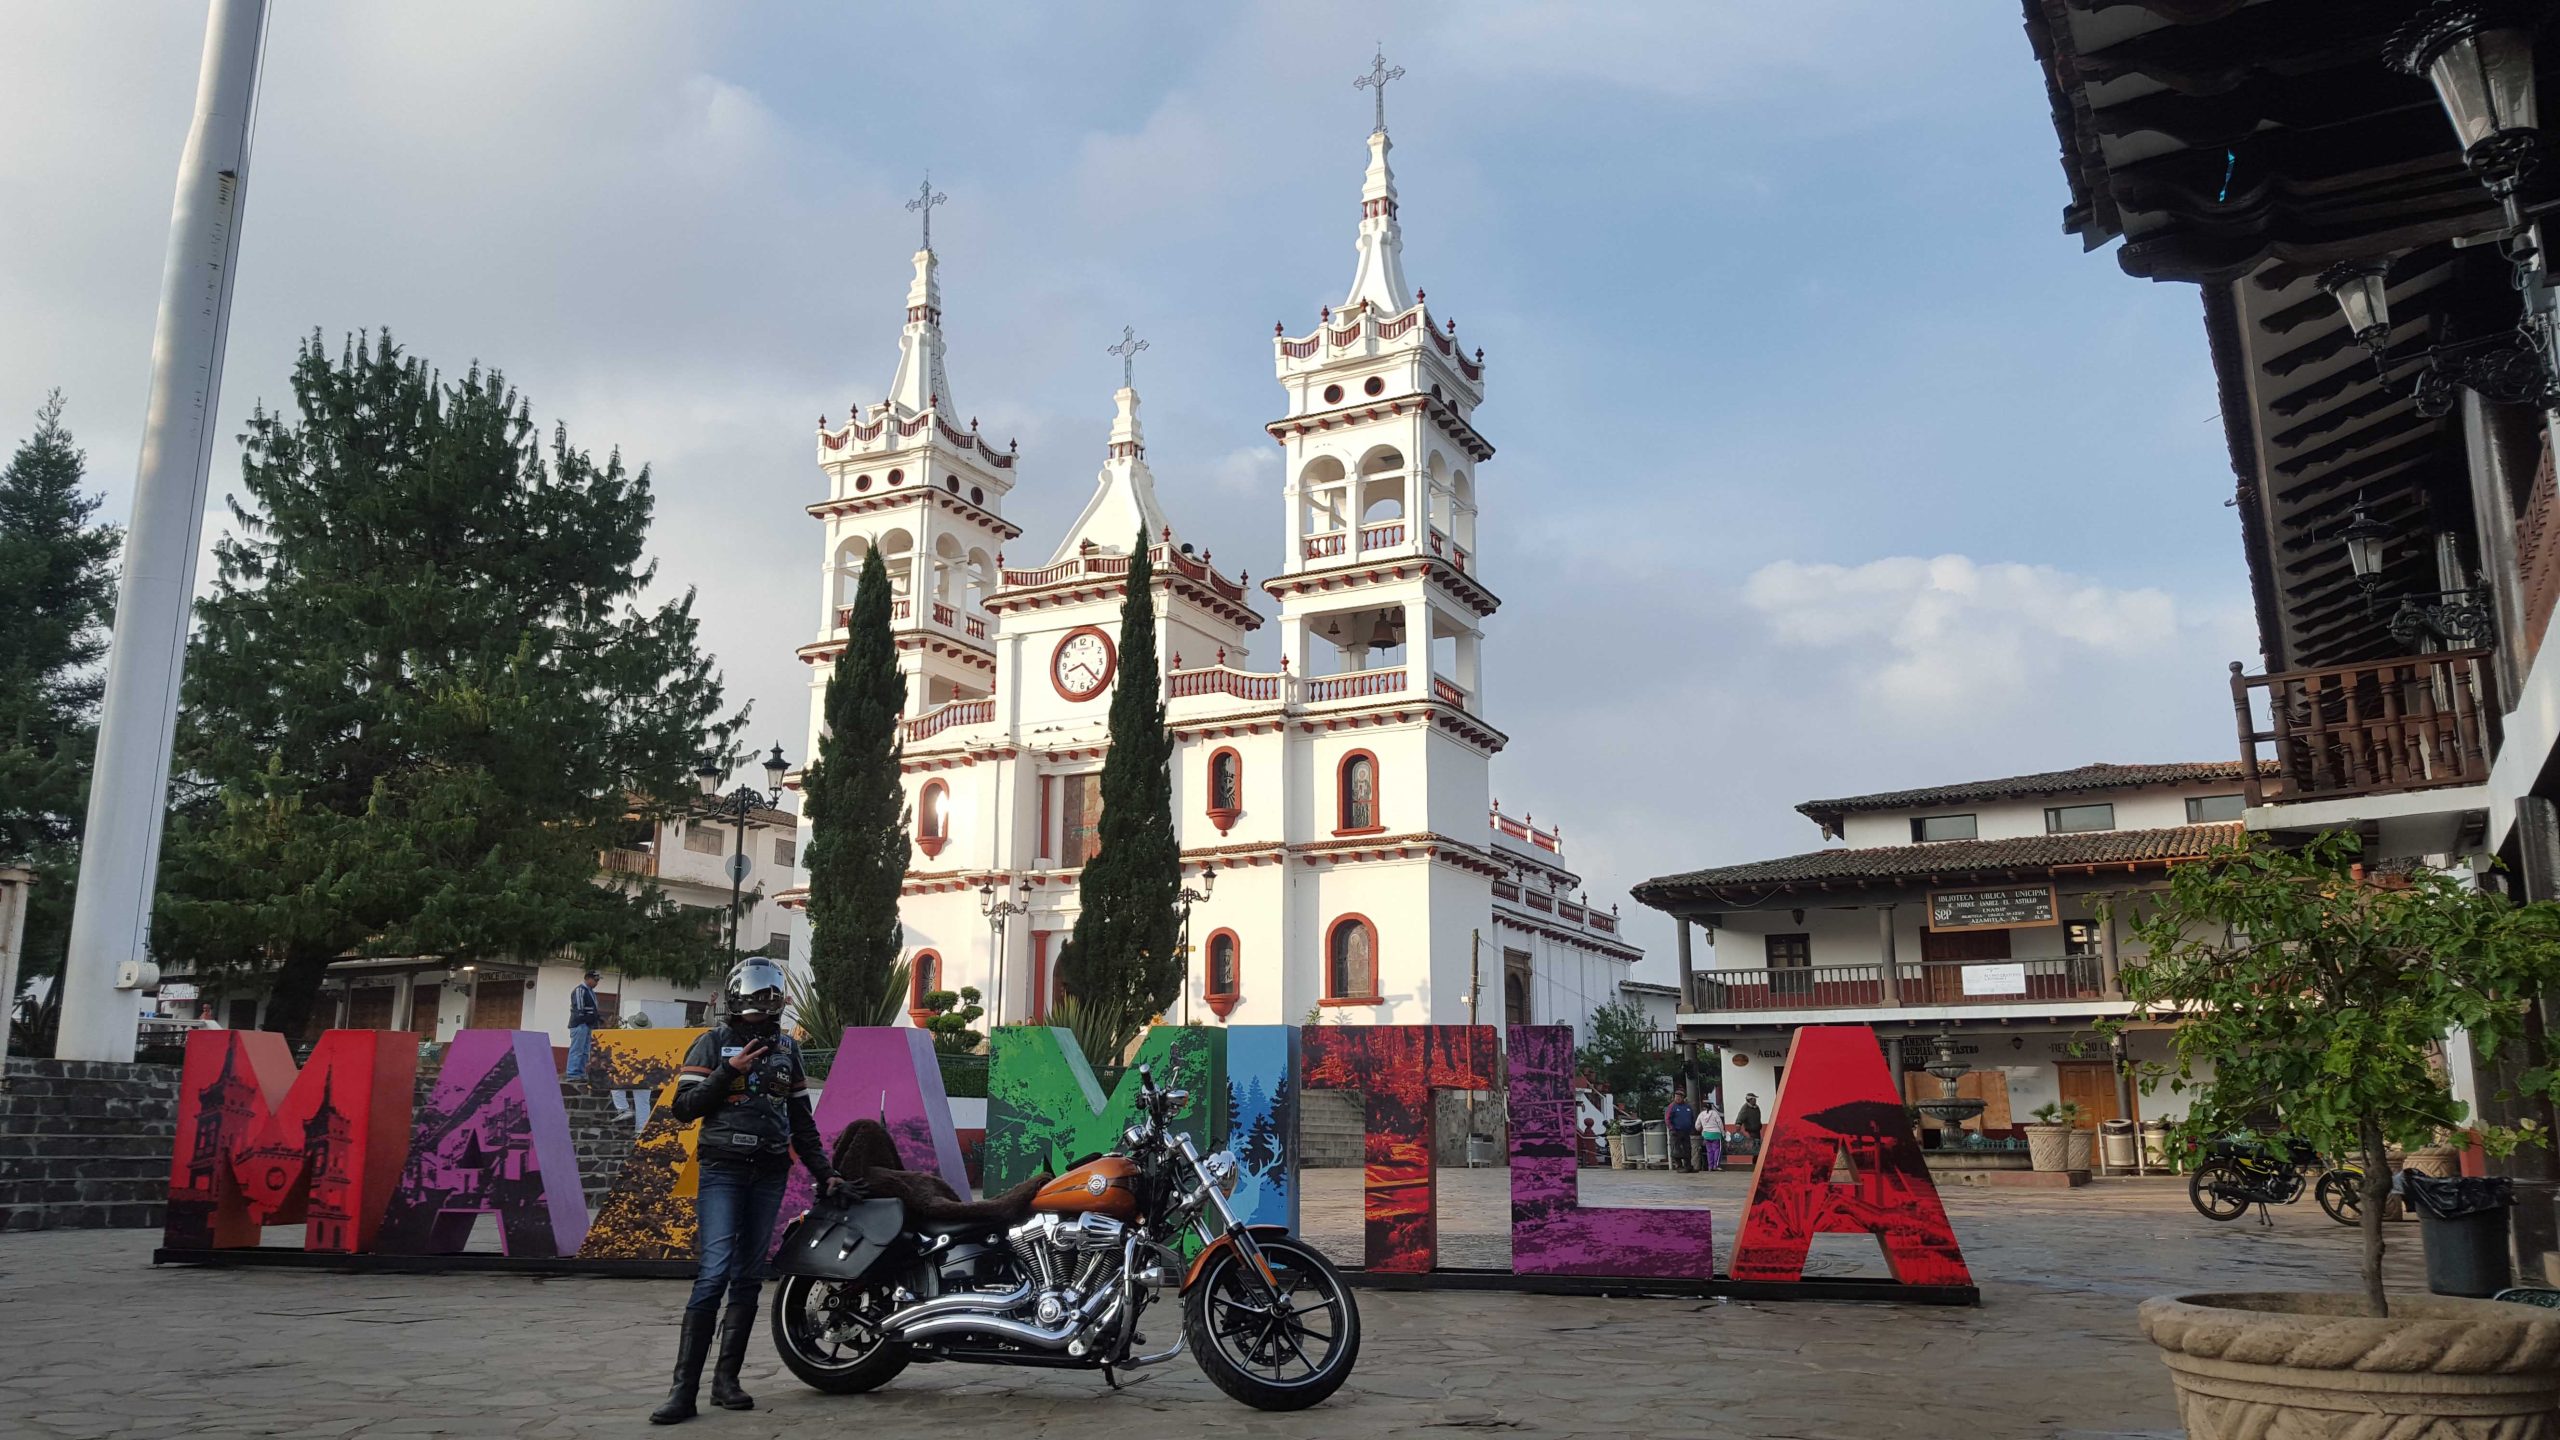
(743, 1080)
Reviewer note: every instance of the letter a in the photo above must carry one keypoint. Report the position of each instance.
(1838, 1099)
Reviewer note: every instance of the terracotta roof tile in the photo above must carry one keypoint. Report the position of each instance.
(1827, 813)
(1940, 860)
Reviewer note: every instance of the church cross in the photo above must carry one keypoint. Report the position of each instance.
(1127, 350)
(925, 200)
(1377, 78)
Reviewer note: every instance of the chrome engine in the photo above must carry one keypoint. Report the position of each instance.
(1065, 1261)
(1068, 1296)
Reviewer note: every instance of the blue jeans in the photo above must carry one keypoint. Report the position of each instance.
(580, 1037)
(735, 1212)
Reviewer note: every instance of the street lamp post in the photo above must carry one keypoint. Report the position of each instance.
(736, 807)
(997, 913)
(1191, 897)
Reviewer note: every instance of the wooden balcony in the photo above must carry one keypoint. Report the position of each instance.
(2380, 728)
(1921, 982)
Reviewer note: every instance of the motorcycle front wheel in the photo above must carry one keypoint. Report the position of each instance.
(2341, 1193)
(1283, 1354)
(829, 1335)
(2219, 1190)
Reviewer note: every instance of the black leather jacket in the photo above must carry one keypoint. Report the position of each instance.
(760, 1118)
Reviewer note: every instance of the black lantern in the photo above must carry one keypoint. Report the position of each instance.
(775, 767)
(2366, 538)
(708, 775)
(2479, 56)
(2358, 287)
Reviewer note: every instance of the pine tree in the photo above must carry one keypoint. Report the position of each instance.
(858, 839)
(57, 594)
(1124, 951)
(422, 698)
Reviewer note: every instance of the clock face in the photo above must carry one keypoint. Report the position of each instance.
(1082, 665)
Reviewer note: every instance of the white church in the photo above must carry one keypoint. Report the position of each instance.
(1332, 801)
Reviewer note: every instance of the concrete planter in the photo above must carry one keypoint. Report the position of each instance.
(2079, 1144)
(2310, 1367)
(2049, 1147)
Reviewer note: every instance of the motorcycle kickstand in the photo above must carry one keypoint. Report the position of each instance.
(1110, 1377)
(2263, 1217)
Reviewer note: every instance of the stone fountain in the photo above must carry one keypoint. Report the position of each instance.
(1950, 1111)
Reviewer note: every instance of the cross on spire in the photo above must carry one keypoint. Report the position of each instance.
(1377, 78)
(925, 200)
(1127, 350)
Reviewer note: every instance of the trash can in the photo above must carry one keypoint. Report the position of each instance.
(2155, 1144)
(2116, 1141)
(1479, 1150)
(2463, 1224)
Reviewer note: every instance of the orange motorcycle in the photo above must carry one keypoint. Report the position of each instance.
(865, 1293)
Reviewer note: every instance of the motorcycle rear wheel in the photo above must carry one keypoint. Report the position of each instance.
(2219, 1191)
(804, 1309)
(1258, 1352)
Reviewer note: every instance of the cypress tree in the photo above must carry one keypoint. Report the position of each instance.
(1124, 955)
(422, 697)
(856, 802)
(57, 594)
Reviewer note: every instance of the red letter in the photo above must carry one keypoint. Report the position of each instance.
(1838, 1098)
(260, 1145)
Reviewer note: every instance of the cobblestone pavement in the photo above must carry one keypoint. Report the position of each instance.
(100, 1344)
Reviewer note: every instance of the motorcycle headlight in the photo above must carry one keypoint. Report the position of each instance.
(1221, 1165)
(1136, 1135)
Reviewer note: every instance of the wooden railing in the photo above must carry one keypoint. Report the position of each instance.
(1381, 535)
(2415, 723)
(957, 712)
(1353, 685)
(1505, 890)
(1447, 690)
(1319, 546)
(1920, 982)
(2538, 554)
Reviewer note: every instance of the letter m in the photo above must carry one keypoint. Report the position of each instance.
(259, 1144)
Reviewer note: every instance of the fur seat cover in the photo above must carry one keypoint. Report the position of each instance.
(866, 1149)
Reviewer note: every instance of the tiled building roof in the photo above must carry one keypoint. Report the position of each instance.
(1827, 813)
(1939, 861)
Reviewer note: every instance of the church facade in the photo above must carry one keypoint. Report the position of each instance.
(1331, 779)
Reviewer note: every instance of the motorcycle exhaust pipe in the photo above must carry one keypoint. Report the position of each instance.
(972, 1303)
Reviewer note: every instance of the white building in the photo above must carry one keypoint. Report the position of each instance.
(1331, 792)
(1971, 909)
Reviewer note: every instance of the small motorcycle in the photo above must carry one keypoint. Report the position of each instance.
(865, 1293)
(2240, 1172)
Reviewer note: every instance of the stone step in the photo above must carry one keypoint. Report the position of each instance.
(92, 1166)
(15, 1194)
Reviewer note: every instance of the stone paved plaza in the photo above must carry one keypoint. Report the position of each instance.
(101, 1344)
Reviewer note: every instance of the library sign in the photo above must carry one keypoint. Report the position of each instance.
(2003, 908)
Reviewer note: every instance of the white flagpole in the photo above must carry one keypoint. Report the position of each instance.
(106, 972)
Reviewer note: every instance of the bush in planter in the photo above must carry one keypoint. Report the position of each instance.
(2312, 989)
(2049, 1138)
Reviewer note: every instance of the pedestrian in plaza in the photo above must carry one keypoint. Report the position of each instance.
(584, 1015)
(1711, 1137)
(1748, 1117)
(1679, 1124)
(743, 1080)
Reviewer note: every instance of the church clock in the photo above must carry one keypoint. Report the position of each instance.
(1083, 663)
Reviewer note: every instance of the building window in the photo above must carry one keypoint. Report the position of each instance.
(1219, 984)
(2079, 937)
(1374, 385)
(1357, 802)
(926, 979)
(697, 1013)
(2077, 819)
(1351, 961)
(977, 495)
(1226, 788)
(1080, 826)
(933, 818)
(703, 839)
(897, 475)
(2214, 809)
(1790, 966)
(786, 854)
(777, 943)
(1333, 394)
(1943, 827)
(1043, 987)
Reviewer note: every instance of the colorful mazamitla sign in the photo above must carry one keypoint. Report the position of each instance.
(338, 1146)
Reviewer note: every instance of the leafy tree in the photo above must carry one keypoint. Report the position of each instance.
(1124, 954)
(1620, 1056)
(2318, 990)
(57, 594)
(422, 697)
(858, 840)
(951, 1017)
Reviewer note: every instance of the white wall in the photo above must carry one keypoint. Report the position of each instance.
(2153, 808)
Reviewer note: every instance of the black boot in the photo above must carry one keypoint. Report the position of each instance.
(692, 1348)
(736, 1324)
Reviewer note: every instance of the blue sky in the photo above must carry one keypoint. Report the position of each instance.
(1827, 461)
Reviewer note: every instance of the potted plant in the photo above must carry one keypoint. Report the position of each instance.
(2048, 1140)
(2316, 993)
(2080, 1134)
